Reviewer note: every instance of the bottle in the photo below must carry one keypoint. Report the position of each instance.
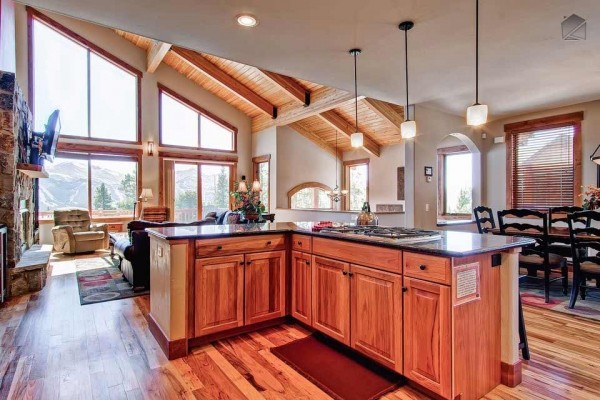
(366, 217)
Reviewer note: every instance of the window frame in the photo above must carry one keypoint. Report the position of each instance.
(256, 161)
(442, 199)
(307, 185)
(346, 181)
(557, 121)
(201, 113)
(33, 14)
(92, 152)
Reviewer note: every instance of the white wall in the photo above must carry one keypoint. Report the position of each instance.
(496, 156)
(108, 40)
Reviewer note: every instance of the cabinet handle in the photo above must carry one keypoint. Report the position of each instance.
(350, 274)
(344, 273)
(269, 243)
(219, 247)
(404, 289)
(307, 262)
(299, 243)
(422, 267)
(241, 263)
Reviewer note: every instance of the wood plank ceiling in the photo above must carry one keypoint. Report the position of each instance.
(315, 111)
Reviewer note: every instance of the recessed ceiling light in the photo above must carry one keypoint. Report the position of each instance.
(247, 20)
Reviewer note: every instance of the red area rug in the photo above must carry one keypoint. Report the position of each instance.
(336, 370)
(588, 308)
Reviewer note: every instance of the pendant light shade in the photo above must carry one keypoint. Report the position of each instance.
(408, 129)
(357, 138)
(477, 113)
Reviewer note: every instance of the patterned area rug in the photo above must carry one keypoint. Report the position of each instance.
(99, 279)
(588, 308)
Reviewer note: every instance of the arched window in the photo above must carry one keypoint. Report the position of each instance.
(310, 196)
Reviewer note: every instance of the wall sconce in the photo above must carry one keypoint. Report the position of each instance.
(150, 148)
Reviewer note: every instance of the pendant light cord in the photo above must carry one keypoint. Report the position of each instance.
(406, 70)
(355, 94)
(476, 51)
(336, 158)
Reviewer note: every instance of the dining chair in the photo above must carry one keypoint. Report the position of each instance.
(559, 215)
(484, 216)
(536, 258)
(585, 252)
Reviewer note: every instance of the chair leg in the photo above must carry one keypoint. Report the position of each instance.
(574, 290)
(582, 289)
(565, 278)
(524, 345)
(547, 285)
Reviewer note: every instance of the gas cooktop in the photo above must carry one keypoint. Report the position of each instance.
(392, 234)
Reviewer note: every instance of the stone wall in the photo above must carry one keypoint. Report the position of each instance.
(15, 129)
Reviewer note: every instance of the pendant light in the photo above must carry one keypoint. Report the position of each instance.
(336, 194)
(477, 113)
(357, 138)
(408, 129)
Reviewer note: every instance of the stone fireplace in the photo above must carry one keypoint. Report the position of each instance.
(17, 208)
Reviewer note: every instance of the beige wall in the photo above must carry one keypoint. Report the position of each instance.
(128, 52)
(495, 192)
(263, 143)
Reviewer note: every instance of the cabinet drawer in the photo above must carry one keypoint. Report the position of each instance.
(302, 243)
(238, 245)
(430, 268)
(363, 254)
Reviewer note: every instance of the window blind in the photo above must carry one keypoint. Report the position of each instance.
(543, 173)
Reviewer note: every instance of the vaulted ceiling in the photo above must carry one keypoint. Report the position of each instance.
(315, 111)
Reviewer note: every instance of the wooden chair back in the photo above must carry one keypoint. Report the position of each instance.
(515, 226)
(484, 215)
(580, 241)
(560, 215)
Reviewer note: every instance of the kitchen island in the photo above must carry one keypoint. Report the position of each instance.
(443, 313)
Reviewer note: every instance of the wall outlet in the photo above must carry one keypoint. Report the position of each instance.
(427, 207)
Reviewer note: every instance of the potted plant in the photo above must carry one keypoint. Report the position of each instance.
(591, 201)
(246, 202)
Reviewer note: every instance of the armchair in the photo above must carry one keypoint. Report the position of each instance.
(74, 233)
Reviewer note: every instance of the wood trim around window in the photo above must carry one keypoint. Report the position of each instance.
(256, 161)
(218, 120)
(346, 178)
(306, 185)
(32, 14)
(571, 119)
(441, 181)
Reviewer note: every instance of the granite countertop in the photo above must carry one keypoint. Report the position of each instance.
(451, 244)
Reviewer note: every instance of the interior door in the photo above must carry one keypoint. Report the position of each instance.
(301, 287)
(331, 298)
(265, 286)
(219, 293)
(376, 312)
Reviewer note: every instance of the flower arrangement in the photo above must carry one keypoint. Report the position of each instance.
(591, 201)
(247, 202)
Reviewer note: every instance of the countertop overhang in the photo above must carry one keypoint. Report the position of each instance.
(451, 244)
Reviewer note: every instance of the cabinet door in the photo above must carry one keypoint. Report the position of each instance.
(219, 293)
(331, 298)
(301, 287)
(376, 313)
(427, 335)
(265, 286)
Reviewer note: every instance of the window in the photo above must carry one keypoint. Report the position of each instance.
(261, 170)
(105, 185)
(97, 94)
(542, 160)
(356, 177)
(310, 195)
(184, 124)
(210, 183)
(455, 182)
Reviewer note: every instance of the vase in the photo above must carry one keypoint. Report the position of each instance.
(252, 216)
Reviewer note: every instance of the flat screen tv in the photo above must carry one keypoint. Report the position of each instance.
(43, 144)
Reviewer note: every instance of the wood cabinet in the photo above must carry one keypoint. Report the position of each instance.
(331, 298)
(427, 335)
(376, 314)
(301, 301)
(219, 294)
(264, 275)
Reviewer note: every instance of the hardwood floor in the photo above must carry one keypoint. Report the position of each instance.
(51, 347)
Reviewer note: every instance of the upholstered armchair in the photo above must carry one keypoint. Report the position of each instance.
(74, 233)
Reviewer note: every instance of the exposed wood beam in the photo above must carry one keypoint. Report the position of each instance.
(156, 53)
(338, 122)
(289, 85)
(226, 80)
(323, 99)
(313, 137)
(386, 112)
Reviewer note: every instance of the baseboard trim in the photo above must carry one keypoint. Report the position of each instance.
(512, 374)
(172, 348)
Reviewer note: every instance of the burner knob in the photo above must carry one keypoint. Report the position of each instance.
(422, 267)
